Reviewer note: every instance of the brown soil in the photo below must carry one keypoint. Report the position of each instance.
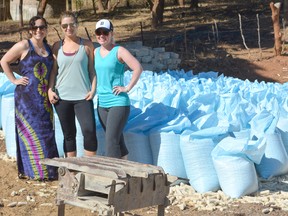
(190, 34)
(45, 205)
(201, 51)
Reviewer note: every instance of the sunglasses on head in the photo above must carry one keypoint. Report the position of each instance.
(71, 25)
(99, 32)
(40, 27)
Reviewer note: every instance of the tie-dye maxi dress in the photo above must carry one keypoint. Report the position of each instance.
(35, 136)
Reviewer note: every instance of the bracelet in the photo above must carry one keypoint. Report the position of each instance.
(126, 89)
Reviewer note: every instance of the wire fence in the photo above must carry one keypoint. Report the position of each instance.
(226, 32)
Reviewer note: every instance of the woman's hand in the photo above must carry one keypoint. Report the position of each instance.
(53, 97)
(89, 96)
(118, 89)
(22, 81)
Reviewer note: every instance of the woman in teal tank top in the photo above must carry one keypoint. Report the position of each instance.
(113, 100)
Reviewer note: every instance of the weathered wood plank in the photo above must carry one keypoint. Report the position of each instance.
(109, 184)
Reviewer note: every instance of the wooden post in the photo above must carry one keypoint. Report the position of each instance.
(157, 13)
(94, 7)
(88, 34)
(67, 5)
(285, 15)
(181, 3)
(161, 210)
(194, 4)
(61, 208)
(73, 5)
(142, 37)
(21, 13)
(275, 8)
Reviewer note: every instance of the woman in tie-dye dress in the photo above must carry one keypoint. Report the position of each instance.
(35, 135)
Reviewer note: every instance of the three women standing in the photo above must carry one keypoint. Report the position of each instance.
(71, 88)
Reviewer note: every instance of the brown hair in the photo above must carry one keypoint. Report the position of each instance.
(33, 20)
(32, 24)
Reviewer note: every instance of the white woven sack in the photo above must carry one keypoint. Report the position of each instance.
(167, 154)
(237, 176)
(275, 160)
(199, 164)
(139, 148)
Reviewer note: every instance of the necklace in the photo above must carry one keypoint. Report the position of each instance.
(41, 50)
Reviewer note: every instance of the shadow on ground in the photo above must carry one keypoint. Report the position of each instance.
(206, 39)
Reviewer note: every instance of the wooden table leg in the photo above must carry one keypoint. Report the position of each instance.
(61, 208)
(161, 210)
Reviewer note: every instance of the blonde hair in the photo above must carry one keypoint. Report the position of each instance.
(68, 14)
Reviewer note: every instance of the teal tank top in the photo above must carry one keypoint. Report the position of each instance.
(73, 81)
(110, 72)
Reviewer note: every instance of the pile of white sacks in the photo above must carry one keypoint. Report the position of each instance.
(153, 59)
(219, 132)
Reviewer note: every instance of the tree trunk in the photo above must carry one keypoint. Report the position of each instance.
(150, 4)
(285, 12)
(21, 13)
(68, 6)
(275, 8)
(74, 5)
(6, 13)
(41, 7)
(127, 3)
(157, 13)
(108, 5)
(112, 7)
(181, 3)
(94, 6)
(194, 4)
(100, 6)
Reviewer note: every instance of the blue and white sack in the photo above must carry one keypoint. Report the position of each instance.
(166, 152)
(234, 163)
(275, 159)
(198, 162)
(139, 147)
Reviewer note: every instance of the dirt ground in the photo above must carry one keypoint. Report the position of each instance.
(207, 39)
(30, 198)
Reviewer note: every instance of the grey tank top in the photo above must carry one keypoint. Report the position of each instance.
(73, 82)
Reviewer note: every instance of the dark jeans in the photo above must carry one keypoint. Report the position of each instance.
(84, 111)
(113, 120)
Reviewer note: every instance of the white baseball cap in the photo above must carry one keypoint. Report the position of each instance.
(104, 23)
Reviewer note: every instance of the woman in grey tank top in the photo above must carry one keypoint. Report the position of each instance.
(72, 86)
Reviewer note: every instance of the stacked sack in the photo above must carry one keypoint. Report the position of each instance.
(219, 132)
